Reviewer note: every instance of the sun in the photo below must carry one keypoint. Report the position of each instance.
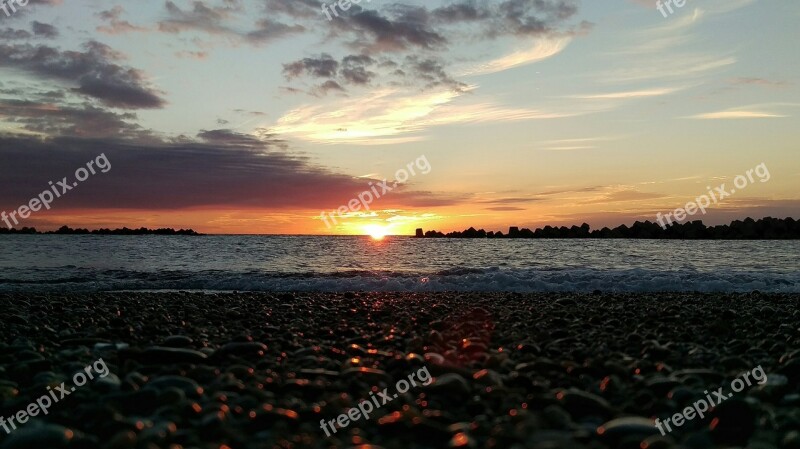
(376, 232)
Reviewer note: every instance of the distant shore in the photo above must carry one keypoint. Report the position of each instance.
(767, 228)
(66, 230)
(511, 370)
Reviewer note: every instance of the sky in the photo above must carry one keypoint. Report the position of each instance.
(276, 116)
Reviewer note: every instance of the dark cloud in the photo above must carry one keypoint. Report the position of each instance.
(44, 30)
(355, 69)
(358, 70)
(301, 9)
(411, 42)
(82, 120)
(432, 72)
(212, 20)
(221, 170)
(93, 71)
(115, 25)
(376, 33)
(323, 66)
(9, 34)
(200, 17)
(326, 87)
(460, 12)
(268, 30)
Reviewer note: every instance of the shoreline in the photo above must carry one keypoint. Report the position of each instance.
(255, 370)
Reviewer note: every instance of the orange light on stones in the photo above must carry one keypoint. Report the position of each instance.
(459, 440)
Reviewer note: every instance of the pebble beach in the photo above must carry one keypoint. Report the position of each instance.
(261, 370)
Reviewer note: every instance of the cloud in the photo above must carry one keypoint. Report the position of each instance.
(80, 120)
(115, 24)
(752, 81)
(322, 67)
(361, 70)
(542, 49)
(391, 115)
(220, 169)
(214, 21)
(93, 71)
(630, 94)
(8, 34)
(411, 45)
(725, 115)
(505, 208)
(44, 30)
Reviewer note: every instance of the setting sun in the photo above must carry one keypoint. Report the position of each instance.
(376, 232)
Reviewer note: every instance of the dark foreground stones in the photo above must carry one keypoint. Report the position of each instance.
(252, 371)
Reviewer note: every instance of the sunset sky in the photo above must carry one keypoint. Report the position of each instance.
(254, 116)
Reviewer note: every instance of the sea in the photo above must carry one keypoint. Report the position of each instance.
(87, 263)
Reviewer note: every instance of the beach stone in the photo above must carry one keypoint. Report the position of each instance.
(178, 341)
(369, 374)
(791, 369)
(733, 422)
(791, 440)
(242, 349)
(123, 440)
(188, 386)
(581, 404)
(109, 383)
(657, 442)
(462, 439)
(450, 383)
(42, 436)
(661, 386)
(488, 377)
(161, 355)
(625, 428)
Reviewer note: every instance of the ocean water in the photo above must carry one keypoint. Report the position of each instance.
(52, 263)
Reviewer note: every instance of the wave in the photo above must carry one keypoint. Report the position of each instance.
(491, 279)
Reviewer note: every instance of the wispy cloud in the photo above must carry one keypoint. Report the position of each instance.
(727, 115)
(630, 94)
(543, 49)
(391, 116)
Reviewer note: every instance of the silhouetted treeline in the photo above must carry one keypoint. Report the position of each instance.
(748, 229)
(102, 231)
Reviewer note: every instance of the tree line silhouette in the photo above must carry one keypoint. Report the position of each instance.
(102, 231)
(748, 229)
